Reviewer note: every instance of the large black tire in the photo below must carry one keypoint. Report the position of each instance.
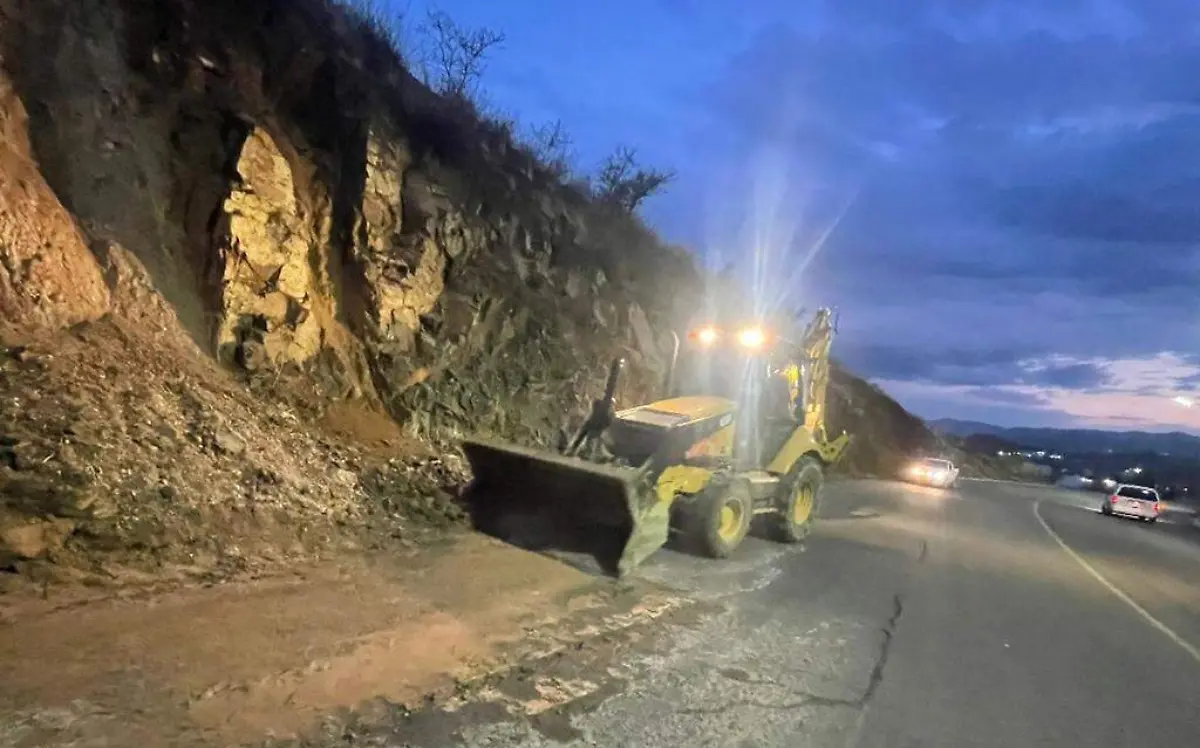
(719, 518)
(798, 501)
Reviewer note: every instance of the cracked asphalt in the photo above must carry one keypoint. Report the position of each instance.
(913, 617)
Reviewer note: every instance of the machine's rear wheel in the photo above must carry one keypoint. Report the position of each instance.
(798, 501)
(720, 518)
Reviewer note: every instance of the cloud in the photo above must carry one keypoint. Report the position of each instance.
(1164, 375)
(1075, 376)
(1007, 396)
(982, 367)
(1116, 393)
(1137, 187)
(953, 366)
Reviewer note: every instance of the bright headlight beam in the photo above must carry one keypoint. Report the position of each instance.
(752, 337)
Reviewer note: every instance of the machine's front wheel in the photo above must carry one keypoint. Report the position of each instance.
(721, 518)
(798, 501)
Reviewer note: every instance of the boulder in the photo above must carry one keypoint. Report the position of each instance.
(27, 540)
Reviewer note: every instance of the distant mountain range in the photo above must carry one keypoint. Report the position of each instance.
(1175, 443)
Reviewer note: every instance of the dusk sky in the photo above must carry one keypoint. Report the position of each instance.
(1008, 190)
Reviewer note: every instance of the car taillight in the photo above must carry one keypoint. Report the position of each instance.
(1157, 508)
(1113, 499)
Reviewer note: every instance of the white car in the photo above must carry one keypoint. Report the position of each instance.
(932, 472)
(1138, 502)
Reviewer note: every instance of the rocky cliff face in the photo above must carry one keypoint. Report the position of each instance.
(48, 277)
(233, 236)
(302, 202)
(263, 187)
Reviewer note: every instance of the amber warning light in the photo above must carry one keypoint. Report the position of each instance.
(706, 335)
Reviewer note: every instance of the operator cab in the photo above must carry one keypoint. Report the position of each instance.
(732, 367)
(745, 367)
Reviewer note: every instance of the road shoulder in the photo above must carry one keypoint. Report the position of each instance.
(244, 661)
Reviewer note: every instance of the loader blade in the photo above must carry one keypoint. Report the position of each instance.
(543, 501)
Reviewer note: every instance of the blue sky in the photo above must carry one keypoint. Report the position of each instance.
(1002, 196)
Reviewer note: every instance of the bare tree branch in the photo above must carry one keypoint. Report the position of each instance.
(457, 55)
(622, 182)
(552, 145)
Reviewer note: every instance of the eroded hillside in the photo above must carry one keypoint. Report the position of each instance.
(255, 279)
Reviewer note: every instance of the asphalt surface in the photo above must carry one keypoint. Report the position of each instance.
(989, 615)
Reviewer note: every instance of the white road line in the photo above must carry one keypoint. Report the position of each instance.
(1164, 628)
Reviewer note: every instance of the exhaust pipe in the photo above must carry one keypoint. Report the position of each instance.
(603, 411)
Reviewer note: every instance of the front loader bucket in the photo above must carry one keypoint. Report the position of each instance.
(544, 501)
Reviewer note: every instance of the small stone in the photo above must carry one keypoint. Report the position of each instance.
(574, 285)
(22, 455)
(252, 355)
(345, 477)
(228, 443)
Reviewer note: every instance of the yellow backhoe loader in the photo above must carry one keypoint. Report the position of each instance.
(739, 433)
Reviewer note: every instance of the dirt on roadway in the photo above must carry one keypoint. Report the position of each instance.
(268, 658)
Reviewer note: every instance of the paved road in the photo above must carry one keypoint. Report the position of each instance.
(992, 615)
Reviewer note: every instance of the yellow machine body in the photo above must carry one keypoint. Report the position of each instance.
(623, 480)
